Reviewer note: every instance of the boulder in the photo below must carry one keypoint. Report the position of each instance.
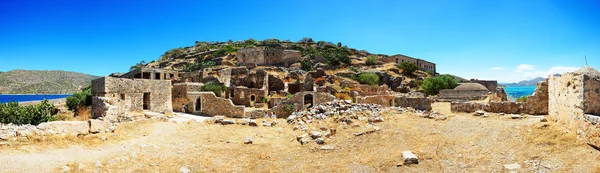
(69, 127)
(315, 134)
(367, 130)
(248, 140)
(327, 147)
(99, 126)
(218, 119)
(409, 158)
(320, 141)
(512, 167)
(479, 113)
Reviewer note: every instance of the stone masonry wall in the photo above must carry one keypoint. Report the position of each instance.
(211, 105)
(537, 104)
(297, 101)
(121, 97)
(462, 95)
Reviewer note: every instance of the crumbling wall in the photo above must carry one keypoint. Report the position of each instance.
(243, 95)
(500, 95)
(369, 90)
(420, 103)
(491, 85)
(286, 107)
(115, 97)
(211, 105)
(383, 100)
(537, 104)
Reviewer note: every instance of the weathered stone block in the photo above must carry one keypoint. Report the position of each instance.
(69, 127)
(98, 126)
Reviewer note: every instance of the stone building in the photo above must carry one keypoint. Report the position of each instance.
(262, 56)
(464, 92)
(422, 64)
(205, 103)
(118, 99)
(151, 73)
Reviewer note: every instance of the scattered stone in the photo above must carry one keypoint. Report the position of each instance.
(543, 125)
(4, 143)
(323, 128)
(227, 122)
(333, 131)
(218, 119)
(4, 136)
(248, 140)
(98, 126)
(327, 147)
(327, 134)
(479, 113)
(65, 169)
(304, 141)
(320, 141)
(441, 118)
(98, 164)
(409, 158)
(252, 122)
(367, 130)
(267, 124)
(513, 166)
(515, 116)
(315, 134)
(543, 119)
(501, 114)
(184, 169)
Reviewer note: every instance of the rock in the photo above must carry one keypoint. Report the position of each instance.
(99, 126)
(69, 127)
(333, 131)
(301, 136)
(248, 140)
(112, 128)
(543, 119)
(291, 119)
(327, 134)
(501, 114)
(227, 122)
(267, 124)
(252, 122)
(320, 141)
(304, 141)
(4, 136)
(65, 169)
(315, 134)
(327, 147)
(218, 119)
(441, 118)
(513, 166)
(184, 169)
(479, 113)
(367, 130)
(515, 116)
(409, 158)
(98, 164)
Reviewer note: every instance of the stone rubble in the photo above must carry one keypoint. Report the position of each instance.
(58, 128)
(409, 158)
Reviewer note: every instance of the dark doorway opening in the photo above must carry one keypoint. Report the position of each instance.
(308, 101)
(146, 100)
(199, 104)
(156, 75)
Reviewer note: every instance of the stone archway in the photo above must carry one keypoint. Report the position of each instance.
(252, 100)
(308, 101)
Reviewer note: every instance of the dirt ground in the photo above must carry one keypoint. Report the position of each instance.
(462, 143)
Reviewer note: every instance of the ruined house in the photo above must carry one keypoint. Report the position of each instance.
(119, 99)
(151, 73)
(262, 56)
(421, 64)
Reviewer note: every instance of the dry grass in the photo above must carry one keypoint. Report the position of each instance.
(343, 96)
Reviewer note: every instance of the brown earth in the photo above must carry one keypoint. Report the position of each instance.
(462, 143)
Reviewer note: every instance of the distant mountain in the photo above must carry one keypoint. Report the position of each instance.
(531, 82)
(43, 82)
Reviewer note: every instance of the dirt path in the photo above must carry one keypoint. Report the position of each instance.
(47, 161)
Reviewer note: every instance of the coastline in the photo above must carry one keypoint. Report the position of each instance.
(34, 94)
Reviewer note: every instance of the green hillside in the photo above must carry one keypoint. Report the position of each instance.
(42, 82)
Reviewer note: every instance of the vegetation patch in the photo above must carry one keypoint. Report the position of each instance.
(12, 113)
(407, 67)
(368, 78)
(214, 87)
(432, 86)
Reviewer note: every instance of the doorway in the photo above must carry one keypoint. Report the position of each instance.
(199, 104)
(146, 104)
(308, 101)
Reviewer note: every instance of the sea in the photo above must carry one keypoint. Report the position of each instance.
(515, 92)
(25, 98)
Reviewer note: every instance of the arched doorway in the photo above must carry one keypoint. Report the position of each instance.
(252, 100)
(308, 101)
(199, 104)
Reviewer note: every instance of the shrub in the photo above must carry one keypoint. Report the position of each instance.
(219, 53)
(229, 49)
(407, 67)
(200, 63)
(137, 66)
(368, 78)
(34, 114)
(343, 96)
(372, 60)
(306, 65)
(522, 99)
(80, 99)
(289, 96)
(354, 69)
(214, 87)
(265, 99)
(432, 86)
(289, 108)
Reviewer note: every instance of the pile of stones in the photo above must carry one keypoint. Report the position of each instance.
(250, 122)
(61, 128)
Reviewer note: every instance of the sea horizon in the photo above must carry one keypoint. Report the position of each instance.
(6, 98)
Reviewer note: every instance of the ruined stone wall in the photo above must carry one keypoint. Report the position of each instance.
(500, 95)
(369, 90)
(113, 97)
(462, 95)
(239, 77)
(537, 104)
(276, 84)
(573, 101)
(251, 56)
(211, 105)
(419, 103)
(383, 100)
(259, 79)
(297, 102)
(243, 95)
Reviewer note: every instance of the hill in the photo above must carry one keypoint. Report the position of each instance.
(531, 82)
(42, 82)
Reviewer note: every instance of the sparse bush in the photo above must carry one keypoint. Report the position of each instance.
(289, 96)
(265, 99)
(522, 99)
(137, 66)
(173, 53)
(368, 78)
(432, 86)
(372, 60)
(229, 49)
(200, 63)
(214, 87)
(307, 65)
(219, 53)
(34, 114)
(407, 67)
(80, 99)
(289, 108)
(354, 69)
(343, 96)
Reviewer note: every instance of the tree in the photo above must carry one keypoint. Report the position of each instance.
(368, 78)
(339, 44)
(80, 99)
(271, 42)
(522, 99)
(372, 60)
(229, 49)
(214, 87)
(407, 67)
(432, 86)
(306, 40)
(138, 65)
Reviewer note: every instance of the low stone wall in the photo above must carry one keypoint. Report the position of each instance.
(212, 105)
(75, 128)
(399, 101)
(496, 107)
(297, 102)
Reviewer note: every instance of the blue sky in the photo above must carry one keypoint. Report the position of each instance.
(509, 40)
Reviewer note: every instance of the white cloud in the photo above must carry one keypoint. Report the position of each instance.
(496, 68)
(524, 67)
(551, 71)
